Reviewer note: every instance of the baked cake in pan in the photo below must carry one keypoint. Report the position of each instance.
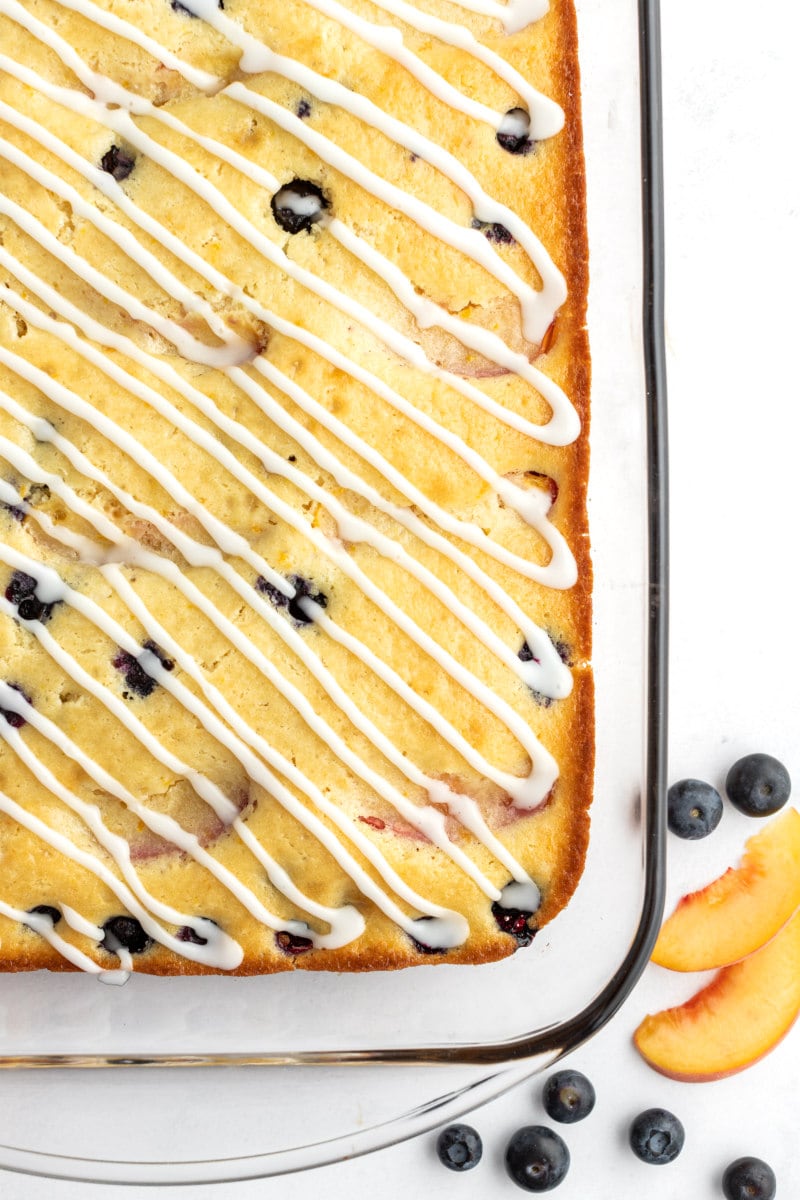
(294, 572)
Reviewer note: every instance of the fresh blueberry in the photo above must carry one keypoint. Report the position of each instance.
(292, 943)
(15, 719)
(537, 1159)
(459, 1147)
(694, 809)
(656, 1136)
(117, 162)
(125, 933)
(493, 231)
(298, 205)
(514, 132)
(515, 922)
(47, 910)
(21, 591)
(758, 785)
(749, 1179)
(302, 587)
(568, 1097)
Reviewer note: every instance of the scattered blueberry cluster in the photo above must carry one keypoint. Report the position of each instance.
(21, 592)
(757, 785)
(537, 1158)
(126, 933)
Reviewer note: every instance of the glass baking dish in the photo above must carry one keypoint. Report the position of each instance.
(484, 1029)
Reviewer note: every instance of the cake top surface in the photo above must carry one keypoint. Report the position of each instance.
(292, 381)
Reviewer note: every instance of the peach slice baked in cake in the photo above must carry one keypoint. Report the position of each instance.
(294, 570)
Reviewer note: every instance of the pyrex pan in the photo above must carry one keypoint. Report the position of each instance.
(362, 1041)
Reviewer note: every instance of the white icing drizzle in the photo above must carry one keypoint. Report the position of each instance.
(333, 93)
(346, 924)
(427, 821)
(526, 793)
(508, 493)
(550, 118)
(239, 350)
(559, 572)
(43, 925)
(257, 57)
(202, 80)
(462, 806)
(187, 345)
(221, 950)
(515, 15)
(563, 425)
(113, 107)
(451, 925)
(76, 921)
(469, 241)
(51, 588)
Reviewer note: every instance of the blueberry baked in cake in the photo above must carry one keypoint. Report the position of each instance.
(294, 571)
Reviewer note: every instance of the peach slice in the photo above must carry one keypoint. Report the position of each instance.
(745, 1011)
(741, 910)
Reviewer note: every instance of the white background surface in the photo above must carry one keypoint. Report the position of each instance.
(733, 193)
